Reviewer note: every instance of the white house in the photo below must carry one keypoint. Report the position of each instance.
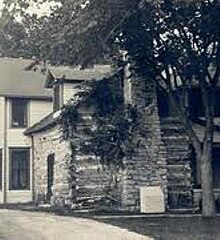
(23, 102)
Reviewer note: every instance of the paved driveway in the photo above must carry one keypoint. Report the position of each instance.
(19, 225)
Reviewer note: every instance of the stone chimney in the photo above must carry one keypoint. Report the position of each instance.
(138, 91)
(146, 165)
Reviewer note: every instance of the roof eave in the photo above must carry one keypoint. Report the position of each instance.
(34, 97)
(44, 124)
(29, 131)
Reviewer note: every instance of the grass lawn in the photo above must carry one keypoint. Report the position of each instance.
(174, 228)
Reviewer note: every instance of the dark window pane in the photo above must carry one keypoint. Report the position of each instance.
(0, 169)
(19, 169)
(19, 113)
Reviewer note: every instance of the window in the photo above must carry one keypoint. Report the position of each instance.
(19, 169)
(0, 169)
(165, 107)
(19, 113)
(163, 104)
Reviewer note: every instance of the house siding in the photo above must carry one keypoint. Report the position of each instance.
(14, 137)
(38, 110)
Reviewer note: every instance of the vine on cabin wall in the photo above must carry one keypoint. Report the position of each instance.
(109, 136)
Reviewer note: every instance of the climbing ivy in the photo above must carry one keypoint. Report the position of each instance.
(111, 126)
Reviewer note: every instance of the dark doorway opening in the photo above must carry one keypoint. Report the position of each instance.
(50, 176)
(163, 103)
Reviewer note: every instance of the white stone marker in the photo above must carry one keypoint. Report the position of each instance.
(152, 200)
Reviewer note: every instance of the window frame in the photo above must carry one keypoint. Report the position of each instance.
(25, 125)
(28, 168)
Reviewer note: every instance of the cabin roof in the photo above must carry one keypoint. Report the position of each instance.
(45, 123)
(71, 74)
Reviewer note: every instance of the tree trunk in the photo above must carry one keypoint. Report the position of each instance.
(208, 205)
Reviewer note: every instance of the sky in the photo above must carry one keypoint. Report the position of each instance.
(43, 10)
(1, 2)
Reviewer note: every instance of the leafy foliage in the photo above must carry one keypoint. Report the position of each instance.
(154, 34)
(72, 34)
(110, 128)
(112, 137)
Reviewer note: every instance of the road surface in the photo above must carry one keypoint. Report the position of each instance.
(20, 225)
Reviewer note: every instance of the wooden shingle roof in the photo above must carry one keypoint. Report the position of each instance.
(67, 73)
(15, 81)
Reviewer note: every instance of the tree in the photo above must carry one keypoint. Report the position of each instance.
(177, 45)
(174, 43)
(72, 34)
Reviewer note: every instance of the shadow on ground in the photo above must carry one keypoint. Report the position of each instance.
(174, 228)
